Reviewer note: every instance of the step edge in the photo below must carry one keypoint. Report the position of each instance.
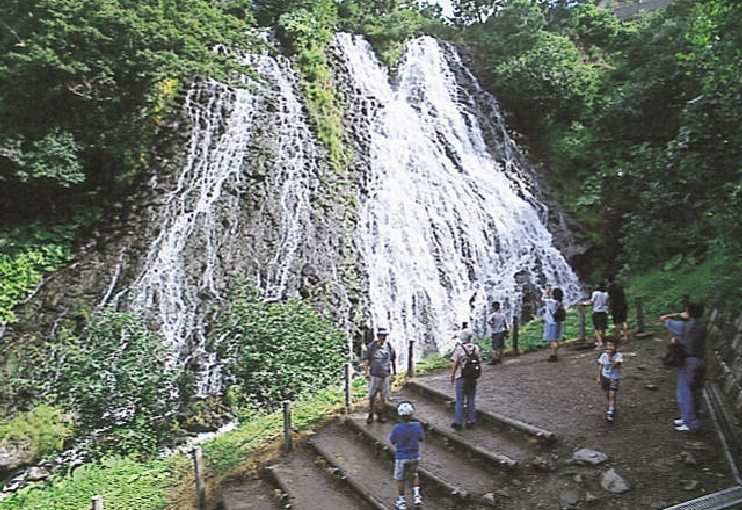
(543, 435)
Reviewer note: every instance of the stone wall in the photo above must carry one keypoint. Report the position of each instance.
(724, 363)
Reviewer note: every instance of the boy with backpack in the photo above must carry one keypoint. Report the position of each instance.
(406, 436)
(466, 371)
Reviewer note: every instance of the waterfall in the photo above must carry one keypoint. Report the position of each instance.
(446, 221)
(203, 231)
(448, 226)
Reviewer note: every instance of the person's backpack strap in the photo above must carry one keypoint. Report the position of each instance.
(373, 347)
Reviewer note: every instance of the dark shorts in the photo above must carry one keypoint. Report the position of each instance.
(600, 321)
(609, 384)
(620, 314)
(498, 341)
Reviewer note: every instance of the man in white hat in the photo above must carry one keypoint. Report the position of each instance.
(381, 368)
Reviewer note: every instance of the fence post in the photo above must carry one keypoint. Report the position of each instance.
(348, 388)
(410, 364)
(198, 474)
(639, 316)
(515, 334)
(582, 323)
(97, 502)
(287, 430)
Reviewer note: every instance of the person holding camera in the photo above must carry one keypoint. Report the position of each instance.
(500, 329)
(553, 326)
(691, 333)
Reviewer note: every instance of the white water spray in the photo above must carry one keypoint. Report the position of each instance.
(445, 220)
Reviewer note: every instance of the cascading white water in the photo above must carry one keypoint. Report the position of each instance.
(208, 190)
(445, 220)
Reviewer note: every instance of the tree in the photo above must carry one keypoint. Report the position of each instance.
(92, 79)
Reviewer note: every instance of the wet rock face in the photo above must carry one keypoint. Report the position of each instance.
(14, 454)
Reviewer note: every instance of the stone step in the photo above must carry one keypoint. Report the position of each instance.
(250, 495)
(431, 388)
(308, 481)
(499, 443)
(368, 469)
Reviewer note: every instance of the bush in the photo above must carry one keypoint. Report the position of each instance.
(120, 380)
(280, 351)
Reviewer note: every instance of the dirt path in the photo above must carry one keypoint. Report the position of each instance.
(662, 466)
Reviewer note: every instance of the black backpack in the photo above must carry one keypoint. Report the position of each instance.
(472, 368)
(561, 314)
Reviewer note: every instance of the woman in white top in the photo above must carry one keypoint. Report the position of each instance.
(599, 301)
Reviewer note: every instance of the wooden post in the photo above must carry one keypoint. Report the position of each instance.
(515, 334)
(348, 388)
(639, 316)
(582, 323)
(97, 502)
(288, 435)
(410, 361)
(198, 474)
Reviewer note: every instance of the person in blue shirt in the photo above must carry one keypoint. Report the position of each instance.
(406, 437)
(690, 332)
(609, 375)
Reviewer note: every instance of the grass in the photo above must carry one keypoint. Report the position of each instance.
(168, 484)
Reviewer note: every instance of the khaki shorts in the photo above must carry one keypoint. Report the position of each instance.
(378, 384)
(405, 469)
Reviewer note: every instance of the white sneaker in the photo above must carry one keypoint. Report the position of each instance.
(682, 428)
(417, 500)
(678, 422)
(400, 505)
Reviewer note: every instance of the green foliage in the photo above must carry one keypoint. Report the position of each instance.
(122, 482)
(54, 157)
(119, 378)
(44, 426)
(80, 93)
(661, 290)
(17, 279)
(307, 34)
(281, 351)
(27, 252)
(552, 77)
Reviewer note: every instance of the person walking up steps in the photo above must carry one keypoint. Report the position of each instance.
(609, 375)
(500, 329)
(464, 383)
(381, 368)
(406, 436)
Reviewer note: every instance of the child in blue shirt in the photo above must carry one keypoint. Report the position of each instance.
(406, 436)
(609, 375)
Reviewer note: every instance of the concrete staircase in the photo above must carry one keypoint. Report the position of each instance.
(348, 463)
